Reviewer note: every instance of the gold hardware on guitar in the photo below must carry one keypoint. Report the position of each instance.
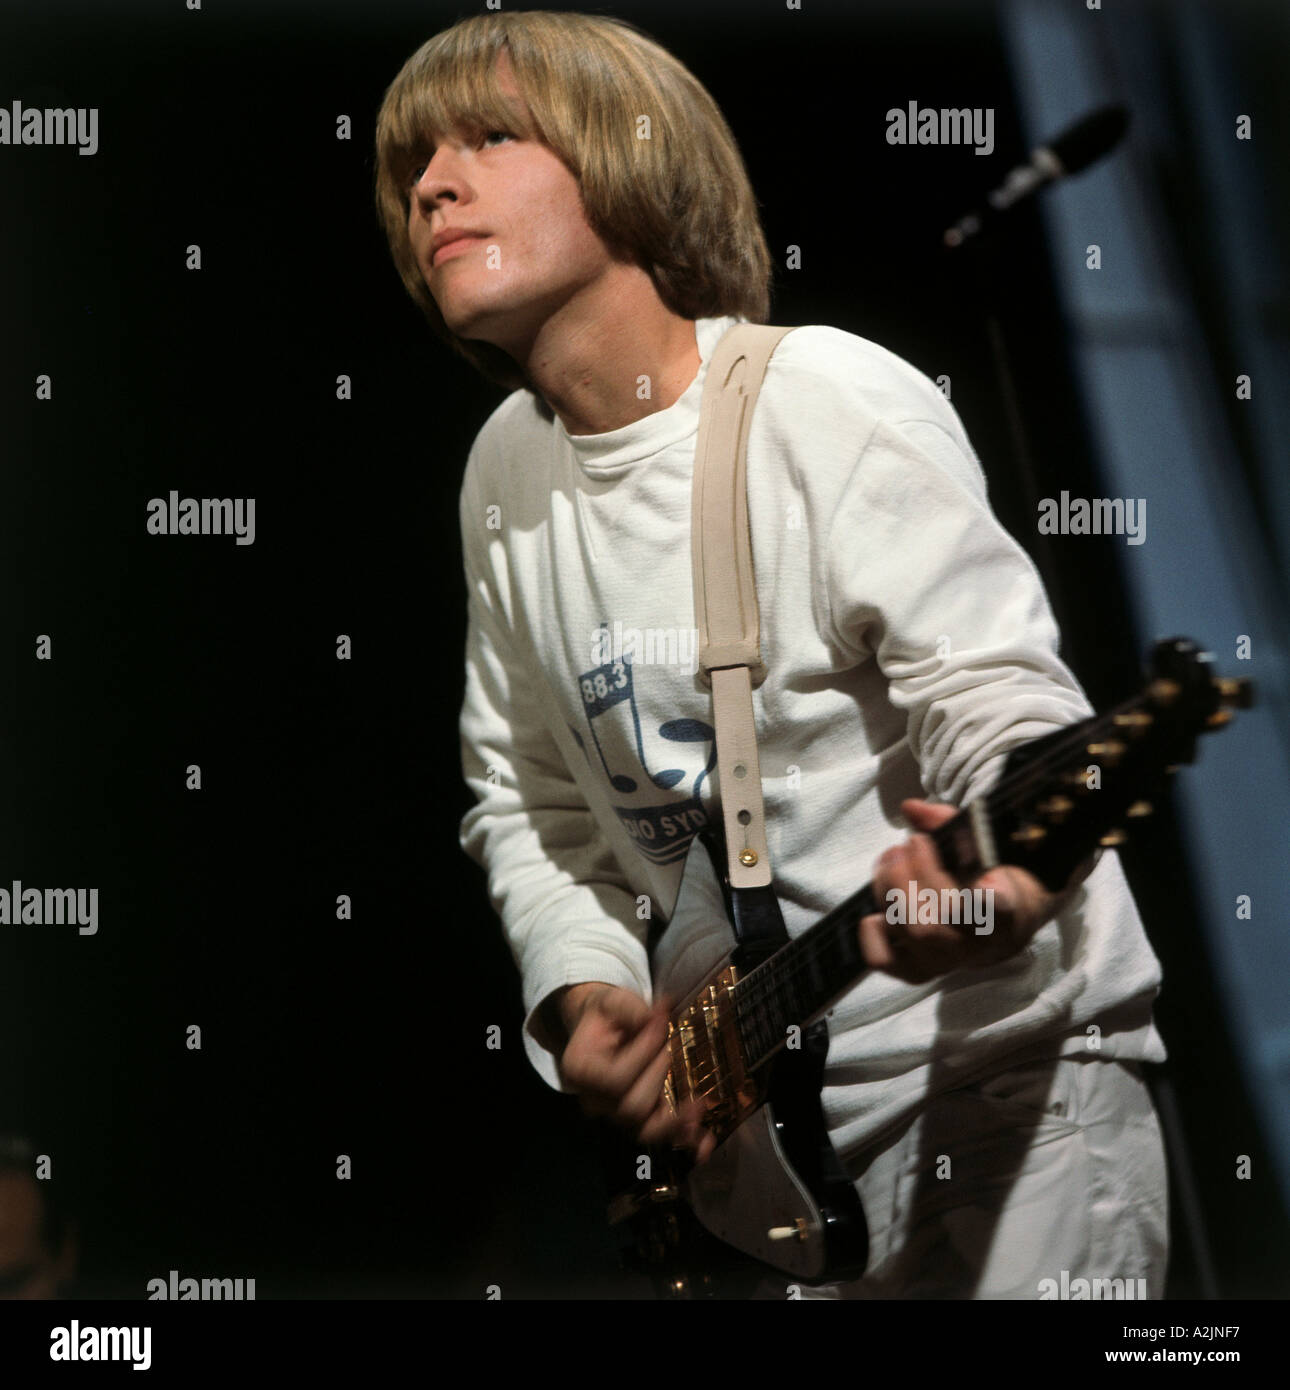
(1235, 690)
(707, 1057)
(1135, 719)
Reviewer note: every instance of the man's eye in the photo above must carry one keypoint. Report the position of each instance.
(418, 172)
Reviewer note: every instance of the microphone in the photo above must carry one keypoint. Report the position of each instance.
(1074, 149)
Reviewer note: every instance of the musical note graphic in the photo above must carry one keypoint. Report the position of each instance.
(692, 731)
(611, 684)
(661, 832)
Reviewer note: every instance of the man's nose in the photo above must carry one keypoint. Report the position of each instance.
(441, 175)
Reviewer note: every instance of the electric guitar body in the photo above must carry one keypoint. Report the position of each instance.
(773, 1188)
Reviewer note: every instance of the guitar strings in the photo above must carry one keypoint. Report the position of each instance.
(761, 985)
(751, 992)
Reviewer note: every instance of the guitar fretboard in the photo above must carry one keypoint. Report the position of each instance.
(809, 973)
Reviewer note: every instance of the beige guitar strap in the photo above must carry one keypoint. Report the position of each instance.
(725, 591)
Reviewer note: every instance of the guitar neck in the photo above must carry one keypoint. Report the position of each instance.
(818, 967)
(800, 979)
(1059, 798)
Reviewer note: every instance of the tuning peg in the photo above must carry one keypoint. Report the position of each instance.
(1028, 834)
(1109, 751)
(1236, 690)
(1140, 808)
(1137, 719)
(1056, 807)
(1112, 838)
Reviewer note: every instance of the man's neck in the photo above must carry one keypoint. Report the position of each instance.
(590, 358)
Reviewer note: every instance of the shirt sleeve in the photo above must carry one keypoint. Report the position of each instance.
(924, 578)
(567, 911)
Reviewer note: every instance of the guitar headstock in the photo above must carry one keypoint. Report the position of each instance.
(1081, 787)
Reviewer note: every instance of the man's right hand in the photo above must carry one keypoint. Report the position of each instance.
(616, 1059)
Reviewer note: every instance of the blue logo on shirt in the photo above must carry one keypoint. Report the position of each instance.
(662, 832)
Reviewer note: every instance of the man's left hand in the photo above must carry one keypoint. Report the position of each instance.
(916, 951)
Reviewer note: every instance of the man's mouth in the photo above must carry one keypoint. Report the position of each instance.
(454, 248)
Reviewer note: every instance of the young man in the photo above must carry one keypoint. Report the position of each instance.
(567, 206)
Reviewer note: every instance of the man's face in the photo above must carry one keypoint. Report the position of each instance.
(27, 1269)
(536, 252)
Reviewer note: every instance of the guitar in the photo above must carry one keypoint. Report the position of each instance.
(751, 1038)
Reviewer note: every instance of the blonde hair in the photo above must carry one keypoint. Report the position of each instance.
(679, 204)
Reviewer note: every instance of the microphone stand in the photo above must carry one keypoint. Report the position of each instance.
(977, 255)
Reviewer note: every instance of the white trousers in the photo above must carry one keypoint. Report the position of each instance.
(1047, 1180)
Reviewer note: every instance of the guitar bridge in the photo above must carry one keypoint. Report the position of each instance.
(708, 1061)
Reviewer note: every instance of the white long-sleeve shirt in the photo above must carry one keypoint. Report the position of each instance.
(909, 645)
